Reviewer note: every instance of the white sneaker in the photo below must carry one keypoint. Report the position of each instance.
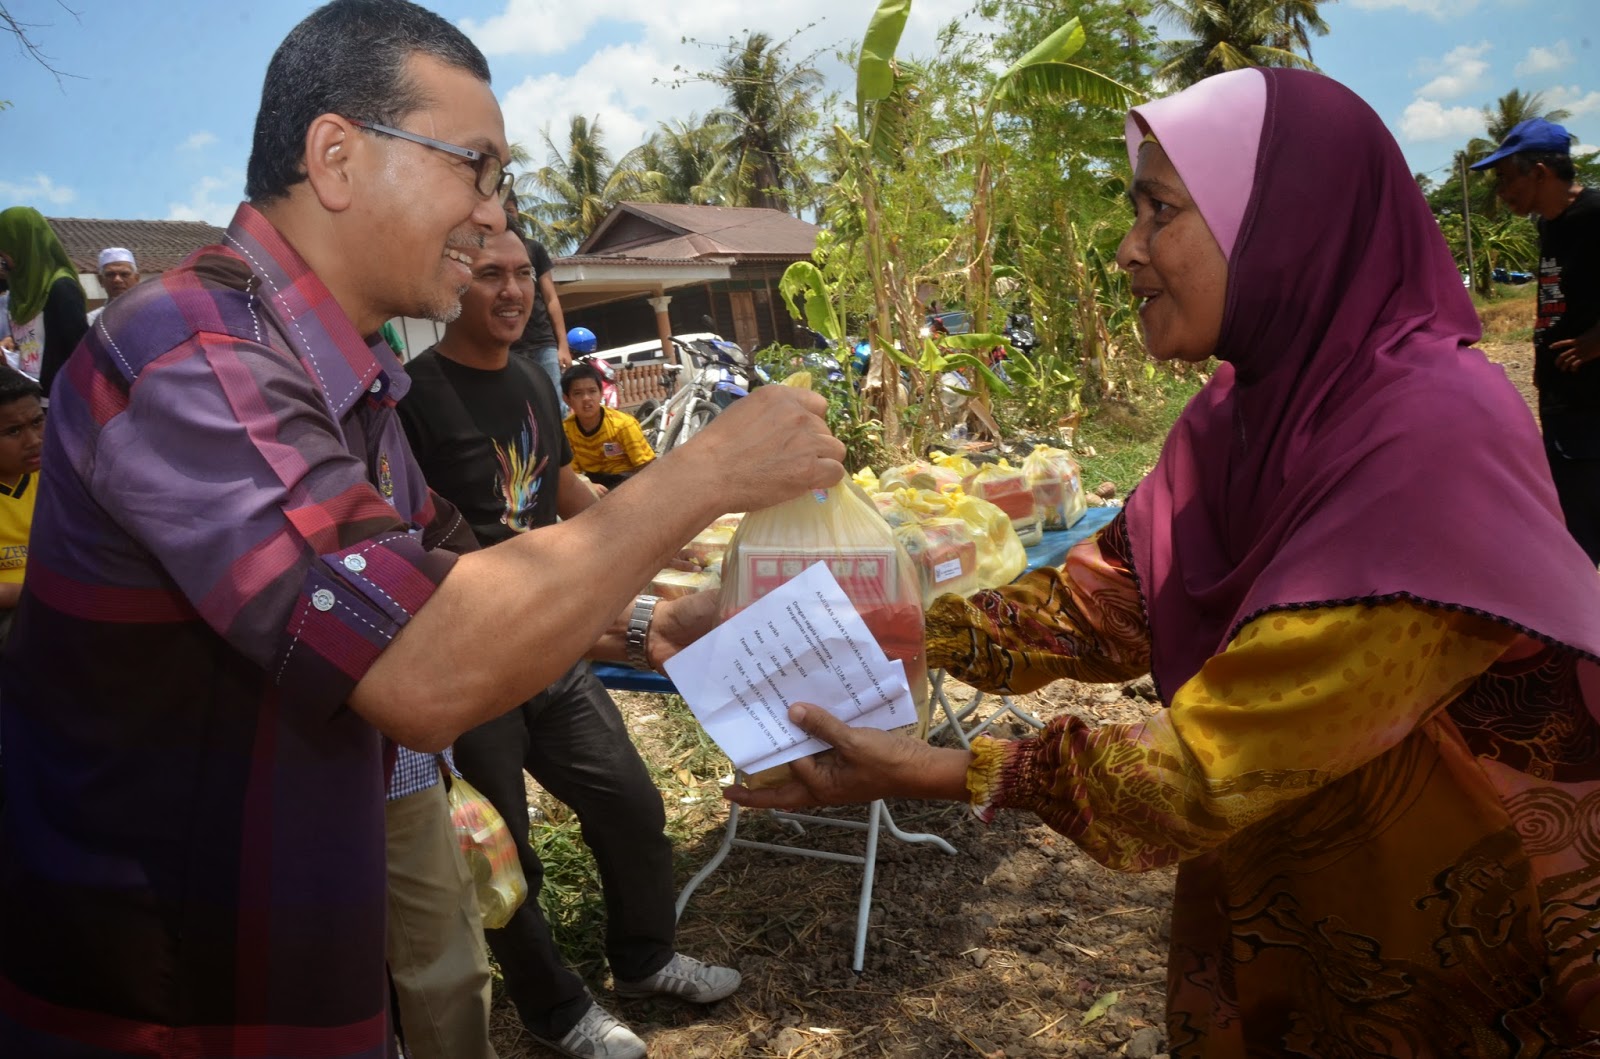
(686, 978)
(598, 1035)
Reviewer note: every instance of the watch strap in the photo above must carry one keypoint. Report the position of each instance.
(644, 612)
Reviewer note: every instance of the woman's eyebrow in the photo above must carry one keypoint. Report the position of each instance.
(1153, 188)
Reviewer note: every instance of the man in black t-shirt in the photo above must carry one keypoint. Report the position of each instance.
(544, 338)
(486, 430)
(1534, 173)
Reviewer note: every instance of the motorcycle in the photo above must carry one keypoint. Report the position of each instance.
(1019, 332)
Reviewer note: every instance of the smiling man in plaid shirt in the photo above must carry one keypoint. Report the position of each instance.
(238, 579)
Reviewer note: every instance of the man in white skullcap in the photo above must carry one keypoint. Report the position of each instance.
(119, 273)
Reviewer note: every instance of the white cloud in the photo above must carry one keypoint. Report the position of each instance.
(1459, 72)
(197, 140)
(211, 199)
(628, 85)
(617, 86)
(1544, 60)
(1439, 9)
(1427, 119)
(1584, 150)
(41, 190)
(1573, 100)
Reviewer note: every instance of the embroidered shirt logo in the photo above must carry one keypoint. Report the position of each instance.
(385, 477)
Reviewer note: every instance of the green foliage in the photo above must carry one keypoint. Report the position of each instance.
(849, 417)
(568, 197)
(570, 898)
(1219, 35)
(1047, 393)
(810, 301)
(875, 71)
(1118, 441)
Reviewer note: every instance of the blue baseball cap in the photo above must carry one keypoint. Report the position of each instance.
(1535, 134)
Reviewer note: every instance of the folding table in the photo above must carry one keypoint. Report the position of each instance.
(1048, 552)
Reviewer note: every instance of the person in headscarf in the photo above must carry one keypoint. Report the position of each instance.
(48, 317)
(1379, 766)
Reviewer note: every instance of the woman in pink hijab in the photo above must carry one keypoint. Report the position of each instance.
(1379, 766)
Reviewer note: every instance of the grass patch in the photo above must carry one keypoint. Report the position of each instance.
(1508, 317)
(1125, 436)
(687, 768)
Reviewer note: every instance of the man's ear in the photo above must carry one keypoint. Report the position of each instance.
(331, 146)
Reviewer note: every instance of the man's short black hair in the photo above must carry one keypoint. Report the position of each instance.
(1558, 162)
(348, 58)
(577, 373)
(15, 386)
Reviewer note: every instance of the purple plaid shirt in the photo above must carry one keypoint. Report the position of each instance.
(192, 843)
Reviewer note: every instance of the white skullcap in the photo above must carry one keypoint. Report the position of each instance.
(117, 253)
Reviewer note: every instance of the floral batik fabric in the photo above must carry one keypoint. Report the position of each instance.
(1385, 831)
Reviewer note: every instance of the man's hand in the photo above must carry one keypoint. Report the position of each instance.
(1574, 353)
(769, 447)
(863, 765)
(679, 623)
(563, 354)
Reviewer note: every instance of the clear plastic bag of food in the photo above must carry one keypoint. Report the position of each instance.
(841, 527)
(955, 463)
(1057, 486)
(1007, 488)
(490, 851)
(675, 584)
(919, 474)
(1001, 557)
(944, 553)
(707, 547)
(867, 479)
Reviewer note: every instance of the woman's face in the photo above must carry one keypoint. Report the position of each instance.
(1177, 269)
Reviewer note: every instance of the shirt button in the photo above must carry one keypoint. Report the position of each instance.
(376, 387)
(322, 599)
(354, 563)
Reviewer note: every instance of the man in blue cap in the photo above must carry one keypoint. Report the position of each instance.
(1534, 175)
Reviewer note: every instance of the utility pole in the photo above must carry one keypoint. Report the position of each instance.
(1466, 218)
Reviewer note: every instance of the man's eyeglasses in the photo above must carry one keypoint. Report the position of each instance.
(493, 181)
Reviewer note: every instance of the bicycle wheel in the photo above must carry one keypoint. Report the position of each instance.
(653, 426)
(694, 420)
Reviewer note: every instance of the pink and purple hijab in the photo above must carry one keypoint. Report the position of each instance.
(1352, 447)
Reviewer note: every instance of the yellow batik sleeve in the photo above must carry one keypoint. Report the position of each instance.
(1296, 701)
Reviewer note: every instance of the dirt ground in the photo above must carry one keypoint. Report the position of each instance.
(1018, 945)
(1001, 950)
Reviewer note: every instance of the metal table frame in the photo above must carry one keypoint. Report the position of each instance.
(878, 817)
(1050, 551)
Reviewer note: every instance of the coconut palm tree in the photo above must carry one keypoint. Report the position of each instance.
(768, 116)
(566, 198)
(1219, 35)
(683, 162)
(1507, 112)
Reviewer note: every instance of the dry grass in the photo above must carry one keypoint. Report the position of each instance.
(1509, 316)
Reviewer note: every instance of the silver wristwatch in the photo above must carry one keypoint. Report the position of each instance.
(644, 612)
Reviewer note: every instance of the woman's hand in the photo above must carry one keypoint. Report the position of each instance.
(864, 764)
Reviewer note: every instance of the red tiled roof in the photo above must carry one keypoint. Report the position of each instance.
(156, 245)
(690, 232)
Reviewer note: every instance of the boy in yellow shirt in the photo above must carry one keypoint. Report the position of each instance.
(607, 445)
(21, 444)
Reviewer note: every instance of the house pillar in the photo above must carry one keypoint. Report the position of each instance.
(664, 325)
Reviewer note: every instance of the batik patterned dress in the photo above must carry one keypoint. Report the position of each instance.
(1387, 833)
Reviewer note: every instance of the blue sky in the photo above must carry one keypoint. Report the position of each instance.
(156, 124)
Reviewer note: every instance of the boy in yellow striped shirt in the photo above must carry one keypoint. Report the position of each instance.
(607, 445)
